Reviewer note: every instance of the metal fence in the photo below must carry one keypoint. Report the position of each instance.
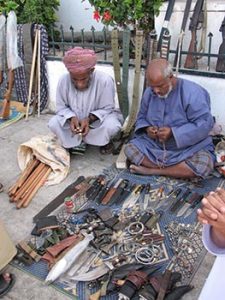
(100, 42)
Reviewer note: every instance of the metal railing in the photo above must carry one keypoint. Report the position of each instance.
(100, 42)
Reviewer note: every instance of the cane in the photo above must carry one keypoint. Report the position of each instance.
(32, 74)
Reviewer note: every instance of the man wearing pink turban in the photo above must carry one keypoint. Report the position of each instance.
(85, 104)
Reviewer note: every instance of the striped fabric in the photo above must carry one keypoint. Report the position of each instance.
(201, 163)
(133, 154)
(20, 75)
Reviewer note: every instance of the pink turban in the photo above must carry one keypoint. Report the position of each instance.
(79, 60)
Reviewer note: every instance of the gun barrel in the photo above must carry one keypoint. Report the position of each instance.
(220, 64)
(197, 15)
(222, 27)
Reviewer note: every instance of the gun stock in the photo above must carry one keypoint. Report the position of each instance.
(220, 65)
(1, 77)
(191, 59)
(197, 20)
(5, 113)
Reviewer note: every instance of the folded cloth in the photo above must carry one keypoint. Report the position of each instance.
(46, 149)
(7, 248)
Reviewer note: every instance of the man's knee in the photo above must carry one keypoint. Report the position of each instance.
(201, 163)
(108, 130)
(133, 154)
(54, 124)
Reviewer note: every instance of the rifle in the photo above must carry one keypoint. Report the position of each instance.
(195, 24)
(151, 52)
(7, 96)
(169, 12)
(165, 46)
(182, 30)
(220, 65)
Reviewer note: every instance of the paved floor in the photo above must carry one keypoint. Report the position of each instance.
(19, 222)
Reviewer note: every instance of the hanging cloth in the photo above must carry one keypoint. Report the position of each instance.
(13, 60)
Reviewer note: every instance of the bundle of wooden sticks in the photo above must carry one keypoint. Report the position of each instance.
(29, 182)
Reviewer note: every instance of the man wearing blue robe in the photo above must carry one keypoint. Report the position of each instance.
(172, 127)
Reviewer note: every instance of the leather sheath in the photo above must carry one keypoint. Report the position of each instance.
(133, 283)
(27, 249)
(164, 285)
(54, 253)
(111, 192)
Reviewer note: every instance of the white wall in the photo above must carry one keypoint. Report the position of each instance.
(78, 14)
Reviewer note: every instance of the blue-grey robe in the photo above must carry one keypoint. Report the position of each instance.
(97, 99)
(186, 111)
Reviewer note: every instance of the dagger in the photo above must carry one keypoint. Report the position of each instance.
(180, 201)
(187, 205)
(133, 196)
(193, 206)
(119, 192)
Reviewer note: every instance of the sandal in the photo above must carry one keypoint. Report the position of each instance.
(7, 281)
(80, 149)
(106, 149)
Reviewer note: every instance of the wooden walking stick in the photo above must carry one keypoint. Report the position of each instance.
(39, 72)
(40, 183)
(37, 85)
(28, 182)
(32, 74)
(30, 188)
(23, 177)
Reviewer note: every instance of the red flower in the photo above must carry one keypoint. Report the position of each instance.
(96, 15)
(107, 16)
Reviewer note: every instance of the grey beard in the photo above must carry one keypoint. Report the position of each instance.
(167, 94)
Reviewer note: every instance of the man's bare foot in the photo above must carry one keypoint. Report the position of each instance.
(141, 170)
(178, 171)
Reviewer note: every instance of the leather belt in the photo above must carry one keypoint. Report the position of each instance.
(135, 99)
(116, 66)
(125, 75)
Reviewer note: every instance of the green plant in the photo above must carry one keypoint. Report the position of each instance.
(6, 6)
(139, 13)
(32, 11)
(39, 11)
